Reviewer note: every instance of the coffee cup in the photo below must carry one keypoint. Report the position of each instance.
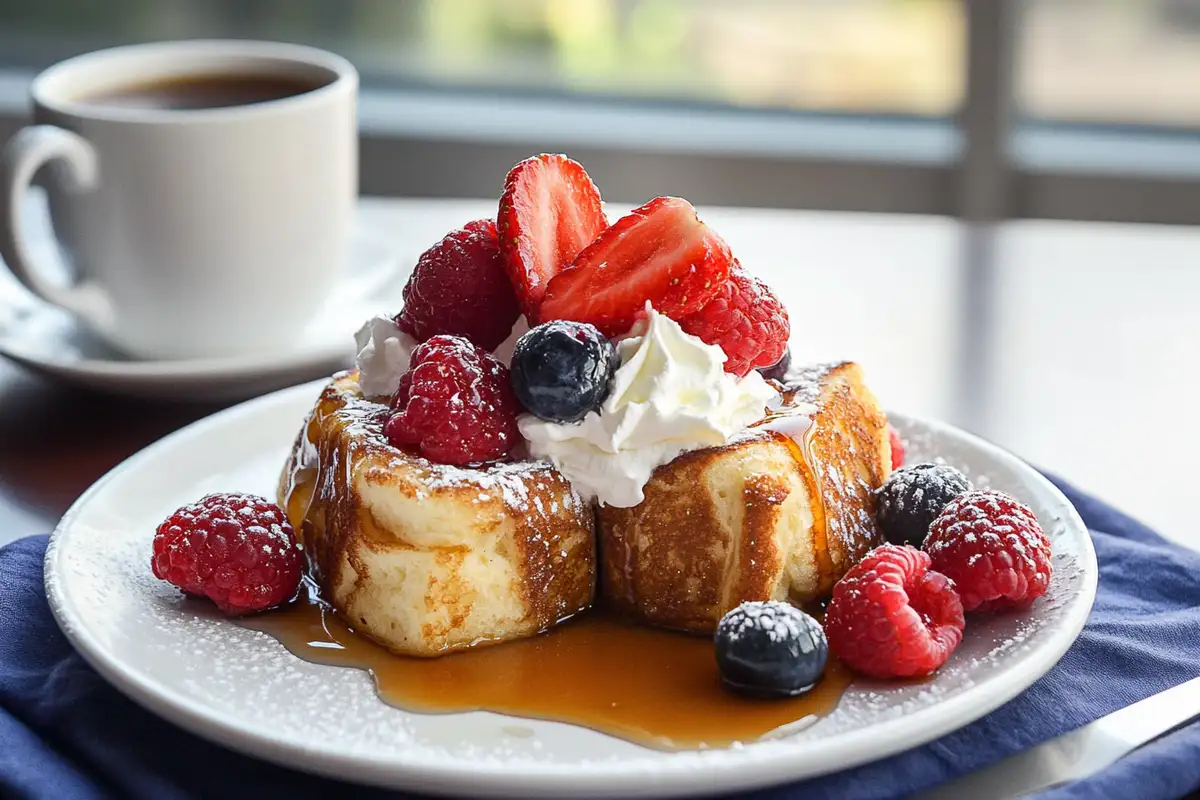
(202, 192)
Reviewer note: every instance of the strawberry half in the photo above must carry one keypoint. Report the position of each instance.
(550, 210)
(660, 252)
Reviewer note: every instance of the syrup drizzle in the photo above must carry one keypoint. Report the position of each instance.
(791, 424)
(652, 687)
(655, 688)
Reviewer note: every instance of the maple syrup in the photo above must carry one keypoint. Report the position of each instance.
(656, 688)
(792, 426)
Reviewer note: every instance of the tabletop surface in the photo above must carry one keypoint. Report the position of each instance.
(1069, 376)
(882, 290)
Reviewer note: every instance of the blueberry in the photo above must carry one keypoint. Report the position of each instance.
(561, 370)
(778, 371)
(770, 649)
(912, 497)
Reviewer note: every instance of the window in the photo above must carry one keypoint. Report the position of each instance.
(840, 104)
(862, 56)
(894, 106)
(1111, 61)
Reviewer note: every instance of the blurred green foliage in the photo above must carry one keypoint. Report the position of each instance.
(878, 55)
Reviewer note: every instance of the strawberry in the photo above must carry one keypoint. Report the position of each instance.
(660, 252)
(549, 211)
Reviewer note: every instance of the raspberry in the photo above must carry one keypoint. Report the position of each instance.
(893, 617)
(238, 550)
(459, 287)
(993, 548)
(745, 320)
(455, 404)
(897, 448)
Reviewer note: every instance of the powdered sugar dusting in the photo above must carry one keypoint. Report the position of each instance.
(779, 622)
(181, 657)
(805, 380)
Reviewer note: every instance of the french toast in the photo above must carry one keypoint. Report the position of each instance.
(427, 558)
(779, 513)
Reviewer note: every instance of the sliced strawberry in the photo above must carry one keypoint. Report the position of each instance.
(660, 252)
(550, 210)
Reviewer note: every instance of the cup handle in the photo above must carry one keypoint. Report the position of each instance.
(26, 152)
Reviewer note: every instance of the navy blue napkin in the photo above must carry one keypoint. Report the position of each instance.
(65, 734)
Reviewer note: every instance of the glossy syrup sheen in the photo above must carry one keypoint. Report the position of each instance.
(652, 687)
(800, 449)
(657, 688)
(794, 430)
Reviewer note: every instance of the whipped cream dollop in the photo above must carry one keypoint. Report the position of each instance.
(383, 356)
(671, 394)
(504, 350)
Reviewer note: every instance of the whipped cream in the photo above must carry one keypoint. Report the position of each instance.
(504, 350)
(384, 352)
(670, 395)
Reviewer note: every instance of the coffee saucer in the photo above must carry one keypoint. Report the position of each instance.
(50, 341)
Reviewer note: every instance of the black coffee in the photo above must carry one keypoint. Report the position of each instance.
(205, 91)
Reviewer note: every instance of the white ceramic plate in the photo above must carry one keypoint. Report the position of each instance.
(48, 340)
(241, 688)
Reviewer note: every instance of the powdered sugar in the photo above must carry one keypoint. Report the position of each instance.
(805, 380)
(779, 622)
(243, 687)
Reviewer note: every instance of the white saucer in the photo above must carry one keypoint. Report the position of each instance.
(243, 689)
(50, 341)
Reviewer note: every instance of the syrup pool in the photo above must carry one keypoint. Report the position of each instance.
(655, 688)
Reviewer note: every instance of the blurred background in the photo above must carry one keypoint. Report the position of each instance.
(991, 204)
(1120, 62)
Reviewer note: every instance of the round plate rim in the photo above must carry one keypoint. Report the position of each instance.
(696, 773)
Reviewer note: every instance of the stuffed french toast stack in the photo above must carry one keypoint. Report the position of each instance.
(568, 411)
(427, 558)
(571, 411)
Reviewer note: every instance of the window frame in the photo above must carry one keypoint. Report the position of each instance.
(982, 165)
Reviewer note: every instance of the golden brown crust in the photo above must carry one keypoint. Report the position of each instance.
(427, 558)
(850, 457)
(764, 517)
(759, 557)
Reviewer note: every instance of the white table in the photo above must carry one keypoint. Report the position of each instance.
(1096, 338)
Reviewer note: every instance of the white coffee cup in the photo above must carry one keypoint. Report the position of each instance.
(211, 231)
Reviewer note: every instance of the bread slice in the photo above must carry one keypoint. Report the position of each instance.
(768, 516)
(426, 558)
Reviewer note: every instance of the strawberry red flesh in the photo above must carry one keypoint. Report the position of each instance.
(660, 252)
(549, 211)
